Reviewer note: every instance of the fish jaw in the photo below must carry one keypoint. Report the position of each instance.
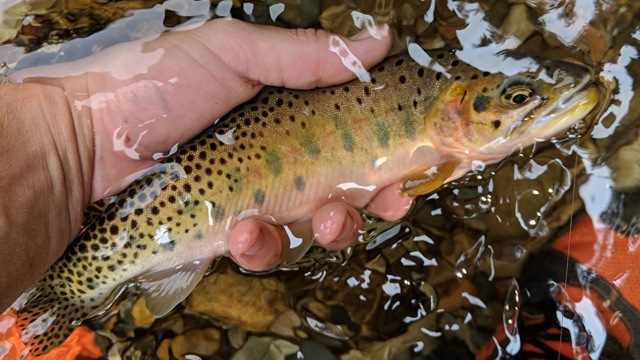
(485, 117)
(549, 123)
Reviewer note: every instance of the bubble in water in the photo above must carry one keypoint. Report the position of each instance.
(467, 262)
(510, 316)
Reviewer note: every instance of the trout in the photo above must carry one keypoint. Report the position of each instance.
(283, 155)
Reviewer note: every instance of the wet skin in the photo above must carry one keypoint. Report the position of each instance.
(93, 170)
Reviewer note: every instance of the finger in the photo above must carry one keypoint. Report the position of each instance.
(389, 203)
(256, 245)
(336, 225)
(293, 58)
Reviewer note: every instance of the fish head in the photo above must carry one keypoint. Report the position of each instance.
(486, 115)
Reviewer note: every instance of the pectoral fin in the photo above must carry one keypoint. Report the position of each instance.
(166, 288)
(428, 179)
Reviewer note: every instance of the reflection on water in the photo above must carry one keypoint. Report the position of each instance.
(515, 259)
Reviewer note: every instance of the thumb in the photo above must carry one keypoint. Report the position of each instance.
(296, 58)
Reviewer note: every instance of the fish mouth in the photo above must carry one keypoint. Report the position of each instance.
(570, 108)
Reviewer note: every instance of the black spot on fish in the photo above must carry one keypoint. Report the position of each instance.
(496, 124)
(474, 76)
(421, 72)
(455, 63)
(155, 210)
(440, 56)
(438, 76)
(481, 103)
(399, 62)
(300, 184)
(113, 230)
(402, 79)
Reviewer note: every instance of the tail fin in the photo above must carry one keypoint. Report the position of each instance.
(46, 320)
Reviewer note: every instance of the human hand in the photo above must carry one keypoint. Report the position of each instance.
(108, 116)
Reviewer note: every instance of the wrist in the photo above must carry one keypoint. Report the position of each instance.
(47, 172)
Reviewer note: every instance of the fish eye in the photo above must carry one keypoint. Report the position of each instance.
(517, 96)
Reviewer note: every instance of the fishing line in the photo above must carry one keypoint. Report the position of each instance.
(570, 234)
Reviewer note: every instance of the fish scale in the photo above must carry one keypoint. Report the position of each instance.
(283, 155)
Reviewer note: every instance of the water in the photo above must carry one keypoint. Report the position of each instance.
(514, 259)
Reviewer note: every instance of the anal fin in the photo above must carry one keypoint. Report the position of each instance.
(428, 178)
(166, 288)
